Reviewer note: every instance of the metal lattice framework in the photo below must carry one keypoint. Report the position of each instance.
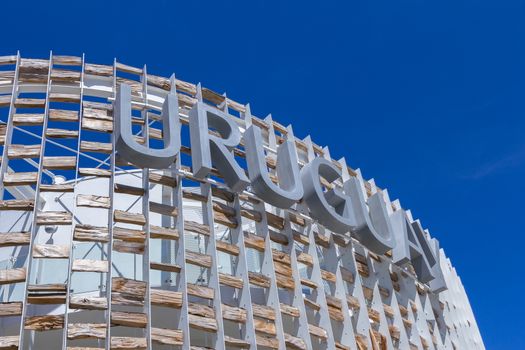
(313, 289)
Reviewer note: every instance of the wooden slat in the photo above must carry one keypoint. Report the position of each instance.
(129, 319)
(163, 232)
(227, 248)
(44, 323)
(92, 201)
(166, 298)
(8, 276)
(86, 265)
(192, 226)
(88, 233)
(88, 302)
(64, 75)
(67, 60)
(94, 172)
(28, 119)
(317, 331)
(231, 281)
(127, 286)
(294, 343)
(289, 310)
(59, 162)
(203, 323)
(254, 241)
(125, 189)
(258, 279)
(263, 311)
(30, 103)
(66, 187)
(233, 313)
(200, 291)
(98, 69)
(20, 179)
(128, 247)
(86, 331)
(17, 204)
(23, 151)
(54, 218)
(10, 308)
(165, 336)
(50, 251)
(12, 239)
(128, 343)
(198, 259)
(231, 342)
(62, 115)
(9, 342)
(163, 209)
(129, 218)
(96, 147)
(61, 133)
(164, 267)
(162, 179)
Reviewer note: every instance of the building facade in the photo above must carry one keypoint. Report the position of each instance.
(143, 212)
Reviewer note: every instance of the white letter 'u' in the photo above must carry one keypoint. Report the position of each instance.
(140, 155)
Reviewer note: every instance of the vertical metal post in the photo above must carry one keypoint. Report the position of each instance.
(34, 226)
(71, 245)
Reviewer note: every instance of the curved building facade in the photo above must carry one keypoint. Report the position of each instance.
(143, 212)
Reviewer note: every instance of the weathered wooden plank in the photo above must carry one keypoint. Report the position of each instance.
(67, 60)
(200, 291)
(63, 115)
(264, 326)
(202, 323)
(231, 281)
(161, 179)
(317, 331)
(129, 235)
(34, 65)
(263, 311)
(8, 276)
(92, 201)
(166, 298)
(289, 310)
(9, 342)
(223, 194)
(28, 119)
(128, 247)
(198, 259)
(129, 319)
(166, 336)
(164, 267)
(128, 286)
(59, 162)
(128, 343)
(201, 310)
(259, 279)
(192, 226)
(187, 194)
(30, 103)
(163, 209)
(236, 343)
(308, 283)
(125, 189)
(251, 214)
(65, 75)
(64, 187)
(50, 251)
(275, 221)
(305, 258)
(94, 172)
(64, 97)
(88, 233)
(267, 341)
(227, 248)
(54, 218)
(233, 313)
(96, 147)
(97, 125)
(87, 265)
(311, 304)
(23, 151)
(285, 281)
(17, 204)
(61, 133)
(163, 232)
(10, 308)
(221, 208)
(253, 241)
(88, 302)
(294, 343)
(129, 218)
(98, 69)
(20, 179)
(12, 239)
(46, 298)
(225, 220)
(86, 331)
(328, 276)
(44, 323)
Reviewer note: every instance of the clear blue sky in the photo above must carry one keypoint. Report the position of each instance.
(427, 97)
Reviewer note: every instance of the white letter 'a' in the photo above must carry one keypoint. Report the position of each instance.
(290, 188)
(132, 151)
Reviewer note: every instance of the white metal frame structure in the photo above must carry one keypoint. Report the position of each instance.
(98, 254)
